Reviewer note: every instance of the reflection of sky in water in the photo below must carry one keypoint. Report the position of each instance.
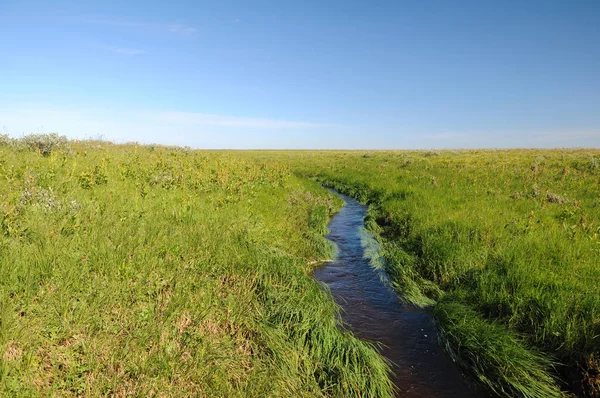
(407, 335)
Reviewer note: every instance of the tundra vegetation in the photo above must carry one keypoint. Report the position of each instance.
(164, 271)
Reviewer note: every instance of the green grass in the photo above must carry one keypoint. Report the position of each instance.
(159, 271)
(503, 244)
(131, 270)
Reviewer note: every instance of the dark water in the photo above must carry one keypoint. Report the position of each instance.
(373, 311)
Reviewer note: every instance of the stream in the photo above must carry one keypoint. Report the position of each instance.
(406, 335)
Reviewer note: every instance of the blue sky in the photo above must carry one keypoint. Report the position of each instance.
(310, 74)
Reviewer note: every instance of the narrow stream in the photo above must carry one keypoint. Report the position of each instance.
(407, 335)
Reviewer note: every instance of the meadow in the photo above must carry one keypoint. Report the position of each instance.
(502, 245)
(130, 270)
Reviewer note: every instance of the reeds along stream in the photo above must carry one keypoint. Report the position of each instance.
(406, 335)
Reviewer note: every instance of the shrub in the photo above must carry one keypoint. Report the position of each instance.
(5, 140)
(44, 143)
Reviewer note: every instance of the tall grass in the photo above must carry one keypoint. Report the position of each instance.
(131, 270)
(503, 244)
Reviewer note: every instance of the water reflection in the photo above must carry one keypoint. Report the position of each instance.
(373, 311)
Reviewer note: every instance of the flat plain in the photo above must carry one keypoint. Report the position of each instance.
(132, 270)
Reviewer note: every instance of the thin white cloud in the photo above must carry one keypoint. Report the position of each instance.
(127, 51)
(172, 128)
(173, 28)
(225, 131)
(180, 128)
(202, 119)
(183, 29)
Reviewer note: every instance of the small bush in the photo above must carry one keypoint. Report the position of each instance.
(40, 197)
(45, 144)
(100, 177)
(5, 140)
(86, 180)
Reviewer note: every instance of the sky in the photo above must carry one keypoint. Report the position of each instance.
(304, 74)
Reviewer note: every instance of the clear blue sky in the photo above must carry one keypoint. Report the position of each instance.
(304, 74)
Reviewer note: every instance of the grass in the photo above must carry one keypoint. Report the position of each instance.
(504, 245)
(158, 271)
(131, 270)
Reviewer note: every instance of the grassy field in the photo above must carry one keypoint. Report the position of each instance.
(130, 270)
(152, 271)
(503, 245)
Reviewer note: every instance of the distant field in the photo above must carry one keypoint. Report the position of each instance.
(504, 245)
(152, 271)
(162, 271)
